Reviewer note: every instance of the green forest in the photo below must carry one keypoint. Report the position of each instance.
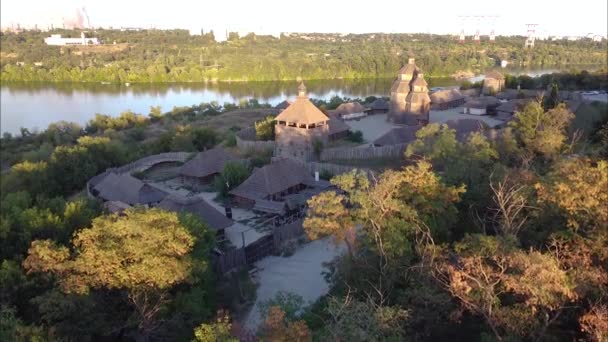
(176, 56)
(502, 239)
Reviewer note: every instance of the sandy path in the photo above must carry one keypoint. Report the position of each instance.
(299, 274)
(372, 126)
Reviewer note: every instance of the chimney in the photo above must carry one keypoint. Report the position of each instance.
(410, 61)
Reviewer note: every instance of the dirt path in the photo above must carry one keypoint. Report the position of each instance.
(300, 274)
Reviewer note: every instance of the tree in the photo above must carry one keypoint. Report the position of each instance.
(203, 138)
(386, 217)
(264, 129)
(144, 254)
(553, 100)
(435, 142)
(490, 277)
(155, 113)
(278, 329)
(353, 320)
(580, 190)
(233, 174)
(218, 331)
(542, 133)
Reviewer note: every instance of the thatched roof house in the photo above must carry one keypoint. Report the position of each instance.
(480, 105)
(349, 109)
(197, 206)
(397, 136)
(283, 105)
(506, 110)
(464, 127)
(493, 83)
(273, 181)
(205, 165)
(128, 189)
(448, 98)
(379, 106)
(337, 129)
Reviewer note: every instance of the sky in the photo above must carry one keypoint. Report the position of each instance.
(273, 16)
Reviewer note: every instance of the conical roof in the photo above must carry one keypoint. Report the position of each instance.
(302, 111)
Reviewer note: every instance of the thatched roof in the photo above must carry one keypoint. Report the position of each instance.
(379, 104)
(448, 95)
(271, 179)
(494, 74)
(128, 189)
(410, 68)
(302, 111)
(512, 106)
(464, 127)
(398, 135)
(336, 126)
(271, 207)
(349, 108)
(482, 102)
(198, 207)
(420, 81)
(283, 104)
(400, 86)
(206, 163)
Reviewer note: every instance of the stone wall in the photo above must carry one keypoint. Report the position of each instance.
(246, 141)
(370, 152)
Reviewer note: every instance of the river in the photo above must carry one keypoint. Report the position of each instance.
(36, 105)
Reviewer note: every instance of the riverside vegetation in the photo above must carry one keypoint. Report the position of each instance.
(175, 56)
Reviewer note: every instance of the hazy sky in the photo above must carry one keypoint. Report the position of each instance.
(554, 17)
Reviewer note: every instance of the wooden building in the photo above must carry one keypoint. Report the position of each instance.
(379, 106)
(203, 168)
(493, 83)
(273, 182)
(300, 125)
(127, 189)
(409, 102)
(445, 99)
(215, 220)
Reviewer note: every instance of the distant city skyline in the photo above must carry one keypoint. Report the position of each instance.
(275, 16)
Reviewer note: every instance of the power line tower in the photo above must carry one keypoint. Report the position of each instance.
(462, 37)
(478, 20)
(531, 36)
(86, 15)
(492, 20)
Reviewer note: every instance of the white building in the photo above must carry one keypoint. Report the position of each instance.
(56, 39)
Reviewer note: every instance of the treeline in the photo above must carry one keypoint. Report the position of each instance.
(583, 80)
(56, 245)
(175, 56)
